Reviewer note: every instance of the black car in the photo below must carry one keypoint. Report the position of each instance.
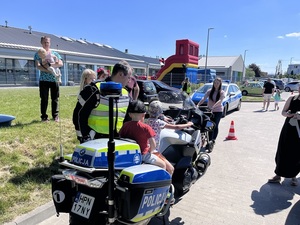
(147, 90)
(167, 93)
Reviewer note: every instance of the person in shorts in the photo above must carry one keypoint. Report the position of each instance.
(268, 91)
(142, 133)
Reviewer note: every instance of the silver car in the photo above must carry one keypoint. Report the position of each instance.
(292, 86)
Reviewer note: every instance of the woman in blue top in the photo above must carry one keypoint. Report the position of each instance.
(48, 81)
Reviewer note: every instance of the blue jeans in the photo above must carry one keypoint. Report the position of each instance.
(216, 119)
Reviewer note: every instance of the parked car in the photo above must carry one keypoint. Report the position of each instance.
(277, 82)
(167, 93)
(232, 100)
(292, 86)
(252, 88)
(147, 90)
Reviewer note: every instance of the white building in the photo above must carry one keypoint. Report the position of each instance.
(293, 69)
(227, 67)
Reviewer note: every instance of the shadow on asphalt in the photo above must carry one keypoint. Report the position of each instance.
(293, 216)
(165, 220)
(273, 198)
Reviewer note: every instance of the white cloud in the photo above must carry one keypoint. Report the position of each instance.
(280, 37)
(293, 34)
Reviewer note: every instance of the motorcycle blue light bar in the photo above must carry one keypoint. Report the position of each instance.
(110, 88)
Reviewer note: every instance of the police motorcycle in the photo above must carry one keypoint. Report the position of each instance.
(187, 149)
(104, 180)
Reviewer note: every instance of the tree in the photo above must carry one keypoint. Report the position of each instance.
(257, 71)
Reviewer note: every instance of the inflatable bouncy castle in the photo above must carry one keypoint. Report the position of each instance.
(183, 64)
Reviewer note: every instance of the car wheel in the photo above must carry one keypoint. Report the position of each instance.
(239, 106)
(225, 110)
(287, 89)
(244, 93)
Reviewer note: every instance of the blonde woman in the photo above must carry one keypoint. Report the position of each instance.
(87, 77)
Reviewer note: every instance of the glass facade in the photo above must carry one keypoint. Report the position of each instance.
(17, 72)
(24, 73)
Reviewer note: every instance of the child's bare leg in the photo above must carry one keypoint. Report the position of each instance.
(159, 162)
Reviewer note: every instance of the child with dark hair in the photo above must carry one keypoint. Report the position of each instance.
(143, 134)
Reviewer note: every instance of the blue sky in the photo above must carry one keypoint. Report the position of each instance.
(268, 29)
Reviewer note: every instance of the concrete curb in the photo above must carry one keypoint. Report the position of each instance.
(36, 216)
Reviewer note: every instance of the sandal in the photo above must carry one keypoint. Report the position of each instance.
(275, 179)
(294, 181)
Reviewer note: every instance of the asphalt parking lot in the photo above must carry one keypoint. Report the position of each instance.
(235, 190)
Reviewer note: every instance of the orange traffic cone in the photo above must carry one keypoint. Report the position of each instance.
(231, 135)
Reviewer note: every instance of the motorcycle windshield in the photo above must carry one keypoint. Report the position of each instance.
(188, 104)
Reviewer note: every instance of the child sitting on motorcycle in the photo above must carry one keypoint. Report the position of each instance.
(143, 134)
(157, 122)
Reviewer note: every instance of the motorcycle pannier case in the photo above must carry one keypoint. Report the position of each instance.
(94, 154)
(62, 193)
(142, 191)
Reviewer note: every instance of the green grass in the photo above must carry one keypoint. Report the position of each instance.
(29, 148)
(252, 98)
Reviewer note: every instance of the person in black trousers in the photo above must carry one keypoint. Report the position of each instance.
(48, 82)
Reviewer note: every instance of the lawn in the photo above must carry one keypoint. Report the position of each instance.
(29, 148)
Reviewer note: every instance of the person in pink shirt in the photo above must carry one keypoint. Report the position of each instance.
(215, 97)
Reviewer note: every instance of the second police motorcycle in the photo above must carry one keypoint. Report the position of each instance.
(105, 182)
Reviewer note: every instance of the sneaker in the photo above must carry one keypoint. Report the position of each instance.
(275, 179)
(56, 119)
(45, 120)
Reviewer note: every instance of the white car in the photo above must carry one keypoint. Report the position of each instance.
(292, 86)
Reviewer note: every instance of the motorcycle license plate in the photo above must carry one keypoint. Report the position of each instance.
(83, 205)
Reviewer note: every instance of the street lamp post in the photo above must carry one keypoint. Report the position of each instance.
(244, 70)
(206, 53)
(291, 70)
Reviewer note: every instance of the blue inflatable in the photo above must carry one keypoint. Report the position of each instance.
(5, 120)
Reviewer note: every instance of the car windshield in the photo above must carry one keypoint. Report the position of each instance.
(148, 86)
(206, 87)
(163, 85)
